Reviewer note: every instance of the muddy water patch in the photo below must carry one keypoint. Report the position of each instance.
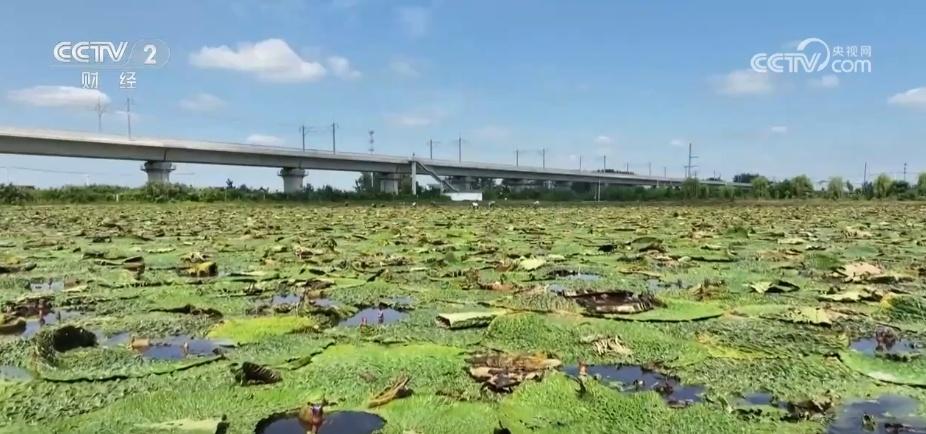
(56, 316)
(885, 415)
(374, 315)
(635, 378)
(14, 373)
(337, 422)
(178, 347)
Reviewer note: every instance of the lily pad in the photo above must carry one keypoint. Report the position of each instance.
(675, 310)
(912, 373)
(245, 329)
(777, 286)
(460, 320)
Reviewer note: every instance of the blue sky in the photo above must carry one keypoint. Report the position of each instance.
(633, 80)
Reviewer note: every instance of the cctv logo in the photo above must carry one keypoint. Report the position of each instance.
(90, 52)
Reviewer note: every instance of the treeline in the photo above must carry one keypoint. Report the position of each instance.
(367, 189)
(160, 193)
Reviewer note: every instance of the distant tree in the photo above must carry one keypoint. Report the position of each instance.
(899, 188)
(367, 182)
(691, 188)
(229, 184)
(759, 185)
(921, 184)
(882, 186)
(745, 178)
(801, 186)
(849, 187)
(835, 188)
(782, 190)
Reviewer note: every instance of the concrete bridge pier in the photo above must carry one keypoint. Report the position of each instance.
(158, 171)
(462, 183)
(292, 179)
(389, 183)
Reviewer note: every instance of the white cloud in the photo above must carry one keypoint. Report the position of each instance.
(603, 140)
(828, 81)
(678, 142)
(340, 67)
(202, 102)
(415, 20)
(270, 60)
(778, 129)
(264, 140)
(410, 120)
(744, 82)
(58, 96)
(913, 98)
(404, 69)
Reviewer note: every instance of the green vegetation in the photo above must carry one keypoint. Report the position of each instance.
(165, 317)
(367, 188)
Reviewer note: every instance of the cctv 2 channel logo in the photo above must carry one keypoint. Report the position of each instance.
(102, 54)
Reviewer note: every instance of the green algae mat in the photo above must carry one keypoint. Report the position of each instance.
(243, 318)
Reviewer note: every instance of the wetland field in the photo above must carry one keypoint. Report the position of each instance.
(799, 317)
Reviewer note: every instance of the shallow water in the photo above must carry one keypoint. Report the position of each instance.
(172, 348)
(587, 277)
(47, 285)
(374, 316)
(55, 316)
(870, 346)
(338, 422)
(885, 411)
(14, 373)
(634, 378)
(278, 300)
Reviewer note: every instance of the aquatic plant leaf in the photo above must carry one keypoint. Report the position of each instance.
(853, 295)
(777, 286)
(249, 373)
(675, 310)
(189, 309)
(529, 264)
(808, 315)
(605, 345)
(503, 372)
(911, 373)
(461, 320)
(398, 389)
(15, 265)
(246, 329)
(201, 269)
(615, 302)
(12, 325)
(197, 426)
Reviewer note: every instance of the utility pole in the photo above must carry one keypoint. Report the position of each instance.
(431, 148)
(334, 147)
(303, 130)
(665, 172)
(689, 166)
(580, 163)
(517, 155)
(460, 149)
(628, 167)
(904, 171)
(128, 115)
(604, 163)
(543, 158)
(649, 168)
(865, 175)
(99, 114)
(372, 187)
